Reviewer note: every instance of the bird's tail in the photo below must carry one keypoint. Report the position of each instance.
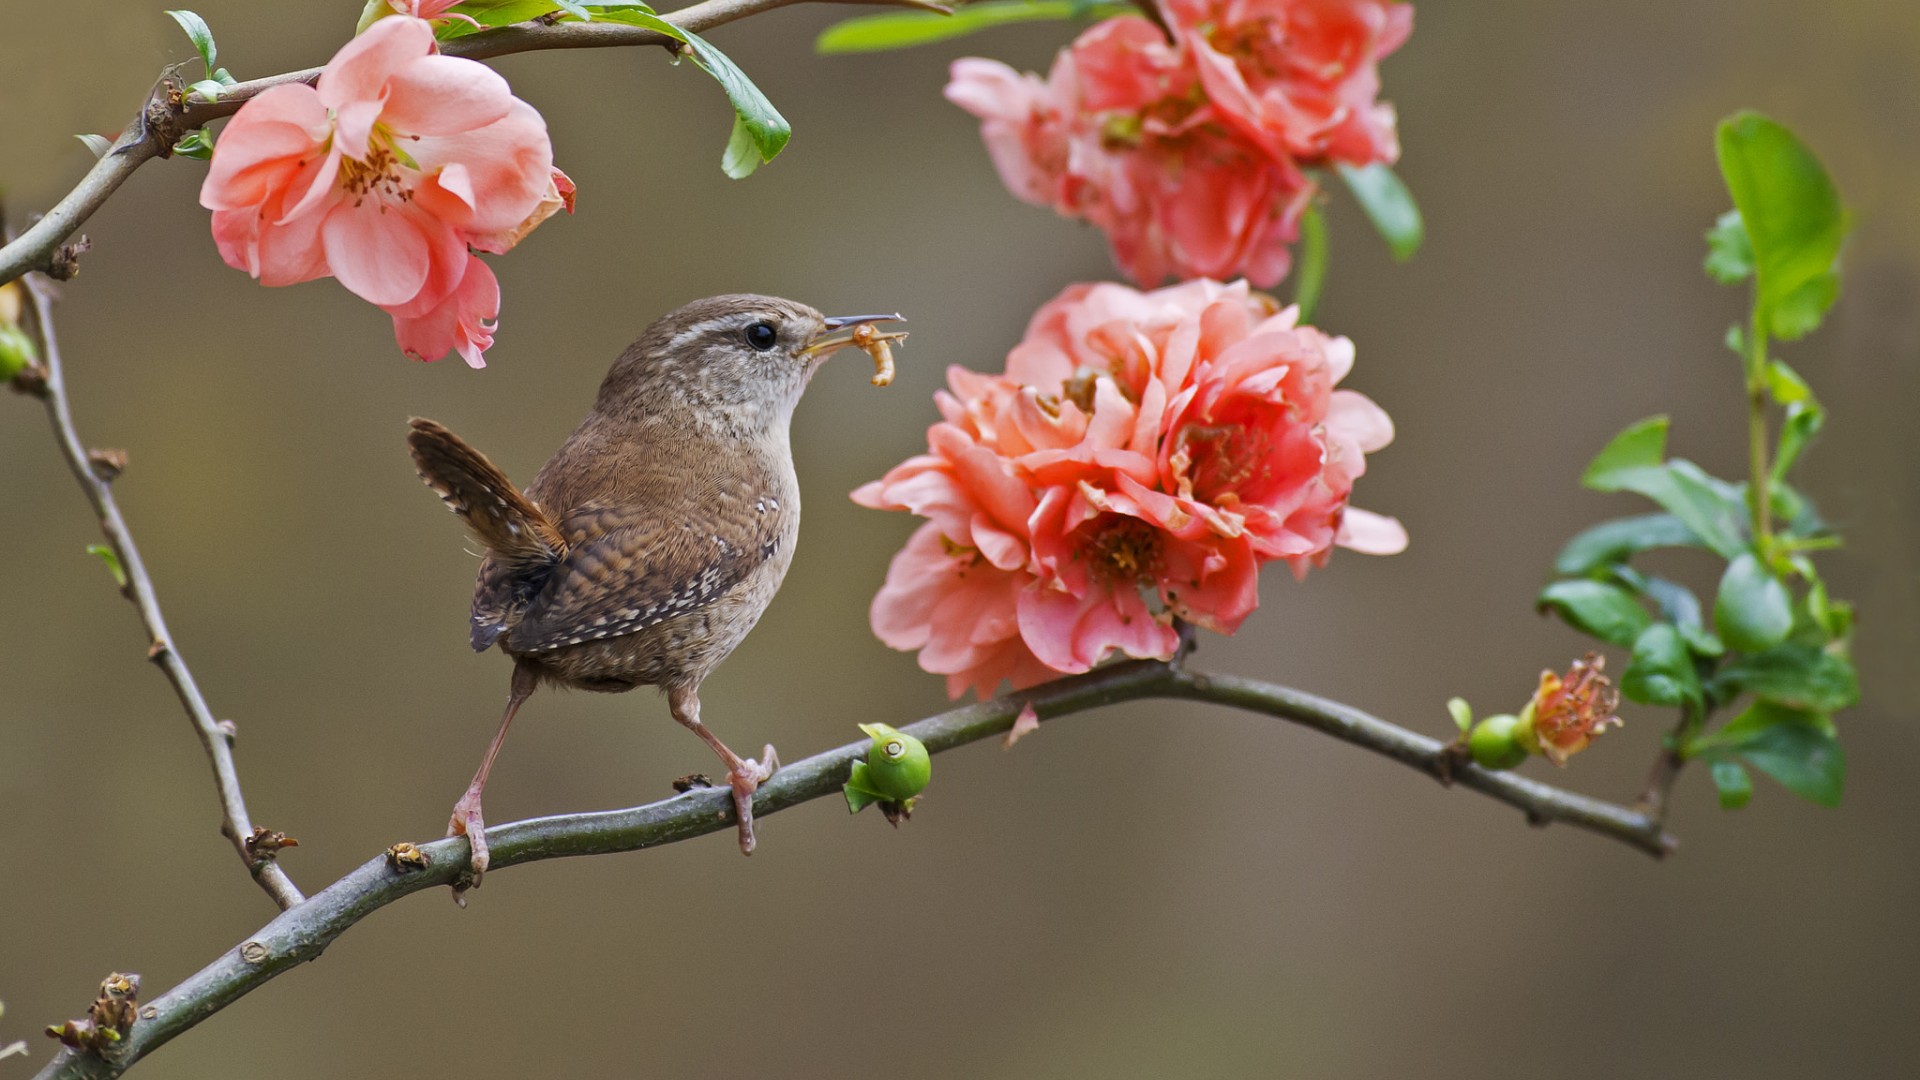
(501, 517)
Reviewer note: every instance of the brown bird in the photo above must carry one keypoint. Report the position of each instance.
(650, 543)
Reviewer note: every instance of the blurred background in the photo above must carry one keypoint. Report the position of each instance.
(1148, 891)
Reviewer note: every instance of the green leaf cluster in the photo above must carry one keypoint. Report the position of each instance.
(197, 143)
(905, 29)
(1776, 643)
(759, 131)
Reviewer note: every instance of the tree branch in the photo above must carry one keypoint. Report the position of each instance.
(235, 823)
(167, 117)
(304, 932)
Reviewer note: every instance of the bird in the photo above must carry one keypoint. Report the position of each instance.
(650, 543)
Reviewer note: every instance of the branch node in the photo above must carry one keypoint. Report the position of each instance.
(253, 952)
(31, 380)
(107, 464)
(404, 858)
(108, 1019)
(64, 263)
(264, 844)
(228, 730)
(158, 651)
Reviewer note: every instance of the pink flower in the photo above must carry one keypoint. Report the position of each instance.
(1190, 154)
(1299, 77)
(383, 176)
(1142, 455)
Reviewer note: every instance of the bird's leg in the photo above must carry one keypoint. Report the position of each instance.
(466, 813)
(744, 774)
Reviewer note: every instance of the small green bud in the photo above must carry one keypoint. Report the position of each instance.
(16, 351)
(897, 769)
(1496, 744)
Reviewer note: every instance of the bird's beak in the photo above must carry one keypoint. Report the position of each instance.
(829, 342)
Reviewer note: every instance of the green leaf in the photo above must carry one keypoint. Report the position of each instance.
(1729, 252)
(902, 29)
(1661, 671)
(1311, 273)
(199, 34)
(765, 130)
(1621, 539)
(742, 157)
(1730, 779)
(1804, 421)
(1753, 611)
(1389, 205)
(1462, 714)
(112, 560)
(1785, 385)
(1796, 747)
(1712, 509)
(197, 144)
(1679, 606)
(208, 89)
(1799, 676)
(1641, 445)
(1834, 618)
(99, 144)
(1792, 216)
(1596, 609)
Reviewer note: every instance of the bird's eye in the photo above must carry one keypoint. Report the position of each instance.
(761, 336)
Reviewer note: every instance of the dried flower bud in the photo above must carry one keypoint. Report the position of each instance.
(1566, 714)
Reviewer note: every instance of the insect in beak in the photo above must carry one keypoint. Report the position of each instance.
(863, 336)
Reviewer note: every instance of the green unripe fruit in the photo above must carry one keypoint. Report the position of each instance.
(1496, 744)
(897, 769)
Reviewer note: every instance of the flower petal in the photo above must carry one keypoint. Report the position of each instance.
(380, 257)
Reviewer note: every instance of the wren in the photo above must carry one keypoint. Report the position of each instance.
(654, 538)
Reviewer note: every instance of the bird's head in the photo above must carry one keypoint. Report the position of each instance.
(740, 360)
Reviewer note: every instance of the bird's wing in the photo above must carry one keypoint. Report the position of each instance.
(627, 568)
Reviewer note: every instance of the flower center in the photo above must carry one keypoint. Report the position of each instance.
(1125, 549)
(379, 175)
(1219, 458)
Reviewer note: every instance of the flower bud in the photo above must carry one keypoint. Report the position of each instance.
(896, 770)
(16, 352)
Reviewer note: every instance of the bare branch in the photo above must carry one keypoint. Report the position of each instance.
(304, 932)
(167, 117)
(97, 484)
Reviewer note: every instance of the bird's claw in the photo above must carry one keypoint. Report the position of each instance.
(467, 822)
(746, 780)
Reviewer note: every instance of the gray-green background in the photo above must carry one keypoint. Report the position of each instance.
(1151, 891)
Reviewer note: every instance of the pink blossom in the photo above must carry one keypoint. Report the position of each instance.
(383, 175)
(1141, 456)
(1299, 77)
(1190, 154)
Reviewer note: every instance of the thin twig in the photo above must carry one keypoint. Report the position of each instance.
(165, 119)
(235, 823)
(304, 932)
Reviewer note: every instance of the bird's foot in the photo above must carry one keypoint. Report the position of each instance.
(745, 780)
(467, 822)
